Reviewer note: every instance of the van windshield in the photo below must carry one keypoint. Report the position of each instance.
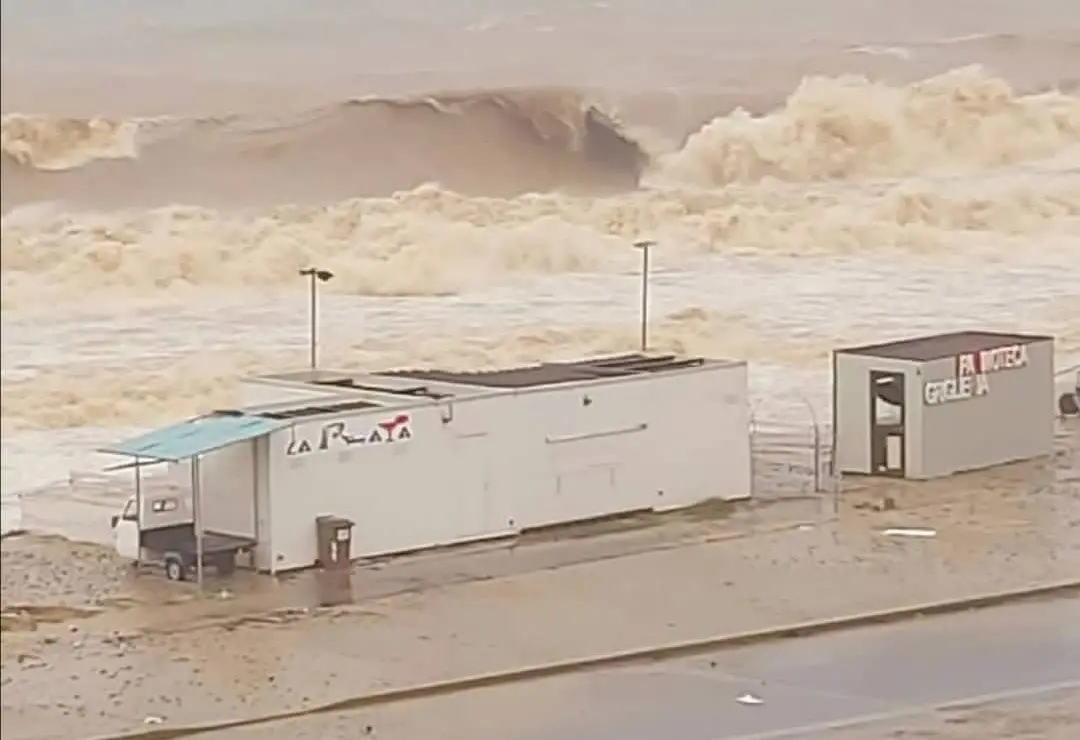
(130, 512)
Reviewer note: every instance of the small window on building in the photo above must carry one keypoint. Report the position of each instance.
(163, 505)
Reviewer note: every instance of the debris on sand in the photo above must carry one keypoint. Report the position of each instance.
(909, 532)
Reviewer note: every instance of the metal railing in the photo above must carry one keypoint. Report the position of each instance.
(789, 459)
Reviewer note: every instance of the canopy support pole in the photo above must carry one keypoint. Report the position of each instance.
(196, 511)
(138, 508)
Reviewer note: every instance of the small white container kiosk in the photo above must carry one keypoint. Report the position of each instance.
(937, 405)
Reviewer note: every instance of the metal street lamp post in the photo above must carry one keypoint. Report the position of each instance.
(316, 276)
(645, 245)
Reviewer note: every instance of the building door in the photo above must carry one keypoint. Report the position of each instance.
(887, 419)
(473, 510)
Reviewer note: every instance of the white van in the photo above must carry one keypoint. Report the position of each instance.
(163, 532)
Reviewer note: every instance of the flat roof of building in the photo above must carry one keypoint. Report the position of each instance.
(555, 373)
(352, 391)
(938, 346)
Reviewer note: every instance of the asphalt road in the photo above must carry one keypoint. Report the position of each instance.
(804, 685)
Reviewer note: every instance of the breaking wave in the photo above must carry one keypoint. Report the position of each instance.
(488, 142)
(833, 128)
(434, 242)
(506, 143)
(846, 165)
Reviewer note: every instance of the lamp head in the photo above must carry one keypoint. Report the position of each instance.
(322, 275)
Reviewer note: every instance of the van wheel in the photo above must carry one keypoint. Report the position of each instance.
(174, 569)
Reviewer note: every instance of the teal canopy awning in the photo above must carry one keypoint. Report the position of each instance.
(195, 437)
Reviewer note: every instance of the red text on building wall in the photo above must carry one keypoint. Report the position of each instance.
(972, 374)
(339, 434)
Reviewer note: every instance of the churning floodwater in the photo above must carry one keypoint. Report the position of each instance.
(475, 175)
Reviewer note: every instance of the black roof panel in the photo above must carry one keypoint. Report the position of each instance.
(553, 373)
(938, 346)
